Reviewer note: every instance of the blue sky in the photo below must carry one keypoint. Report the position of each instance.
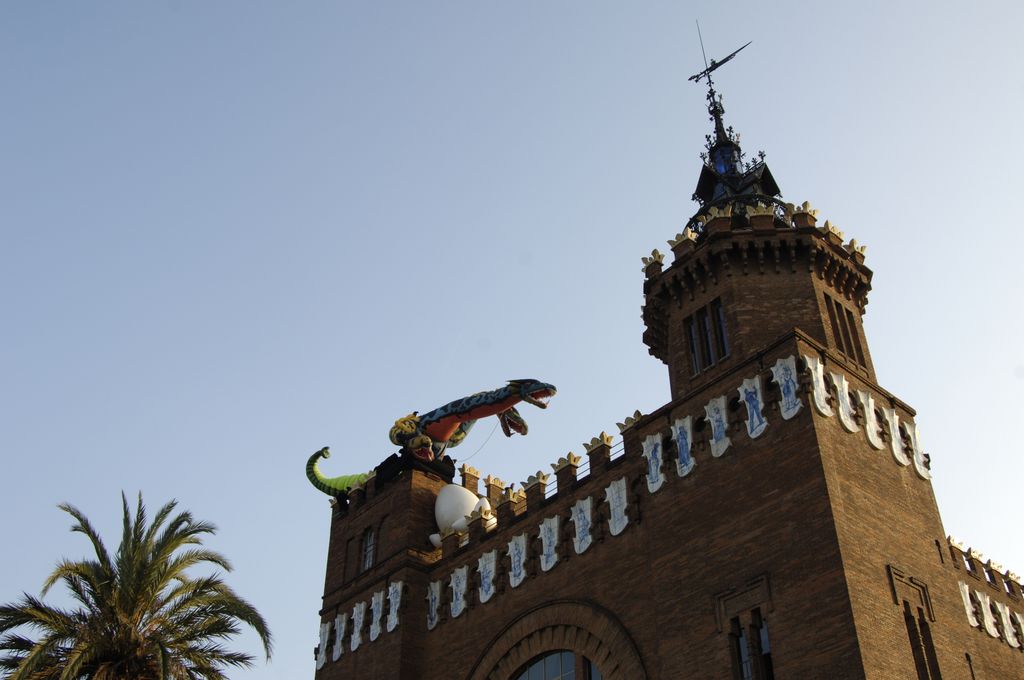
(234, 232)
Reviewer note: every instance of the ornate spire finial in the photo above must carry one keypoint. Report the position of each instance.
(715, 108)
(726, 174)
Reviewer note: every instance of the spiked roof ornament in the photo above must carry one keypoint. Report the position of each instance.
(725, 174)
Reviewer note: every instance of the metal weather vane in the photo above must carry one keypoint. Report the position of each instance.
(706, 73)
(715, 107)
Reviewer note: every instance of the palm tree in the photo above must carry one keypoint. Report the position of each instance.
(138, 614)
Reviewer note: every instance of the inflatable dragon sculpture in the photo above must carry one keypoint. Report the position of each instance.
(429, 435)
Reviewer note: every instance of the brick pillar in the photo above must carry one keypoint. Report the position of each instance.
(536, 485)
(477, 526)
(494, 488)
(565, 472)
(599, 451)
(805, 216)
(470, 478)
(509, 505)
(450, 543)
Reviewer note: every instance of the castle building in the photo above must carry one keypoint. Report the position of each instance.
(775, 519)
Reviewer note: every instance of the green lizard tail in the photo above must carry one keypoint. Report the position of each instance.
(332, 486)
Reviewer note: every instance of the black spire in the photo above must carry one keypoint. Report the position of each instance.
(725, 174)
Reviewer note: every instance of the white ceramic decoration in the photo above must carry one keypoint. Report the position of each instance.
(892, 423)
(394, 602)
(718, 418)
(988, 621)
(784, 375)
(338, 648)
(654, 452)
(1020, 624)
(871, 427)
(751, 397)
(321, 651)
(548, 543)
(847, 416)
(486, 566)
(818, 389)
(615, 494)
(965, 594)
(1009, 634)
(517, 559)
(433, 603)
(358, 614)
(453, 505)
(916, 452)
(376, 613)
(460, 577)
(580, 515)
(682, 432)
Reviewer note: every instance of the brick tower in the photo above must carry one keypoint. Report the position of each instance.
(775, 519)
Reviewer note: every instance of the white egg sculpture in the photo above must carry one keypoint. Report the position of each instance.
(452, 508)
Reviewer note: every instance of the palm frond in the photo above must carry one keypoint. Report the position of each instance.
(139, 613)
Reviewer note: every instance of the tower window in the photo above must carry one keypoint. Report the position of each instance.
(369, 549)
(743, 650)
(922, 647)
(844, 331)
(706, 336)
(856, 337)
(751, 648)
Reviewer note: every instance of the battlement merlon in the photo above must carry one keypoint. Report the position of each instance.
(976, 564)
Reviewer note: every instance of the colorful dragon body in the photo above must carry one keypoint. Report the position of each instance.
(427, 436)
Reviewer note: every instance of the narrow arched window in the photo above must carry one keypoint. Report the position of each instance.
(369, 549)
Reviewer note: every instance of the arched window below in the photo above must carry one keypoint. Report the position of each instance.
(560, 665)
(369, 548)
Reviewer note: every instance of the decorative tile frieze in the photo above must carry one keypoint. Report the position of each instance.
(433, 604)
(487, 566)
(872, 428)
(752, 398)
(338, 648)
(358, 615)
(376, 614)
(892, 423)
(682, 433)
(654, 453)
(458, 582)
(394, 604)
(847, 416)
(784, 375)
(548, 543)
(819, 391)
(517, 560)
(615, 495)
(321, 650)
(718, 417)
(581, 515)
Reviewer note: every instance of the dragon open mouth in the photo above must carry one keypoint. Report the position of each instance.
(511, 422)
(539, 398)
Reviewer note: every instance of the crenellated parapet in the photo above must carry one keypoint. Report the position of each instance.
(758, 240)
(536, 531)
(991, 595)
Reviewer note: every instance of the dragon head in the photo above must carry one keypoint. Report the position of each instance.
(511, 422)
(404, 428)
(533, 391)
